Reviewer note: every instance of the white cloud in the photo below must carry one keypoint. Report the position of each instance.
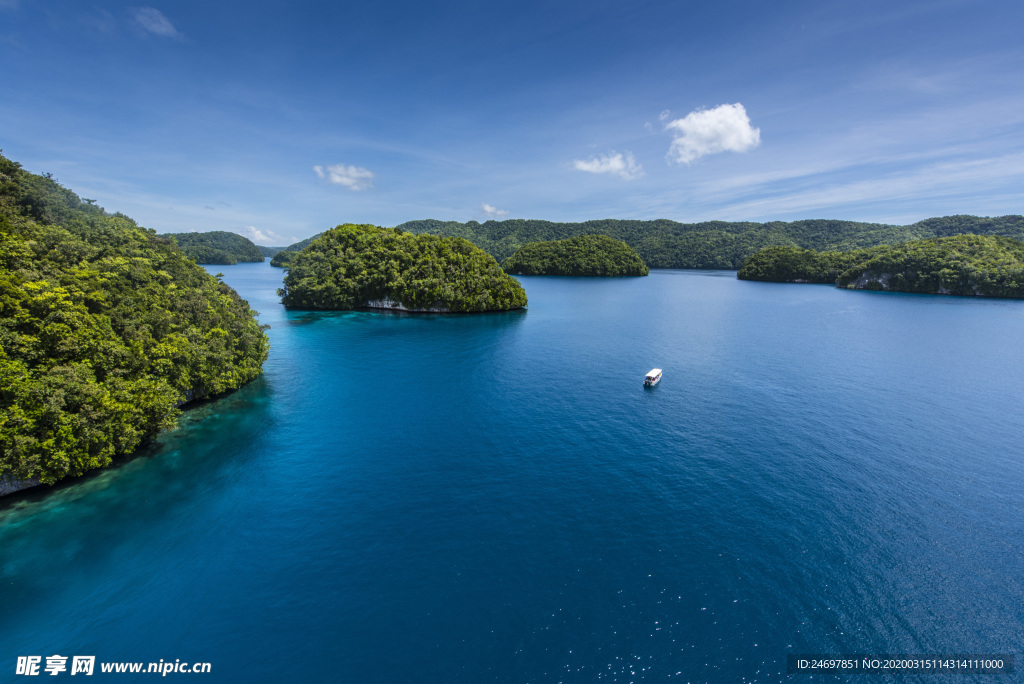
(154, 21)
(354, 178)
(493, 212)
(267, 238)
(621, 165)
(664, 115)
(726, 128)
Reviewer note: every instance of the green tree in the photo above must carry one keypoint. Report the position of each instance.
(105, 330)
(353, 265)
(584, 255)
(713, 244)
(217, 247)
(983, 265)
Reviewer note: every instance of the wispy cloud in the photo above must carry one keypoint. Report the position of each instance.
(726, 128)
(948, 179)
(154, 21)
(493, 212)
(354, 178)
(891, 148)
(622, 165)
(101, 20)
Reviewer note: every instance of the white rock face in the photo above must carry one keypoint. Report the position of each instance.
(9, 485)
(390, 304)
(866, 278)
(886, 278)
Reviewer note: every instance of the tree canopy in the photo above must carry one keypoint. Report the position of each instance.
(984, 265)
(352, 266)
(713, 244)
(217, 247)
(284, 256)
(105, 329)
(584, 255)
(269, 252)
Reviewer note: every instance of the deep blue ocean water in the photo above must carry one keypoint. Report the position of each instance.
(473, 498)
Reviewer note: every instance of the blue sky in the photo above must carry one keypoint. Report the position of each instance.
(278, 120)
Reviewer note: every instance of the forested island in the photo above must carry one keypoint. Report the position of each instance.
(584, 255)
(356, 266)
(970, 265)
(714, 244)
(284, 256)
(105, 330)
(217, 247)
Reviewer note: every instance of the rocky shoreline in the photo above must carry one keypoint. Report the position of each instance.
(9, 485)
(397, 306)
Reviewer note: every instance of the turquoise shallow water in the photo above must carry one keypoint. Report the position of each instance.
(496, 498)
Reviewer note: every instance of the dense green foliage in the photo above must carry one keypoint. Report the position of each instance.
(216, 247)
(269, 252)
(714, 244)
(990, 266)
(796, 265)
(284, 256)
(351, 265)
(105, 328)
(584, 255)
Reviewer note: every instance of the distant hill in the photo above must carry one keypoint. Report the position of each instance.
(284, 256)
(302, 244)
(713, 244)
(269, 252)
(978, 265)
(216, 247)
(583, 255)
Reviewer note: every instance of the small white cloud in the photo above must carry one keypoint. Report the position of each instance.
(267, 238)
(621, 165)
(493, 212)
(726, 128)
(154, 21)
(354, 178)
(664, 115)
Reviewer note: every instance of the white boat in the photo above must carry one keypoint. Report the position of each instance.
(653, 377)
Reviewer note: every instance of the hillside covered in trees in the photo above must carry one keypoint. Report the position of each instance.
(355, 266)
(283, 257)
(714, 244)
(584, 255)
(989, 266)
(105, 329)
(217, 247)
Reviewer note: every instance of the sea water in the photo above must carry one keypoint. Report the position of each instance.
(471, 498)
